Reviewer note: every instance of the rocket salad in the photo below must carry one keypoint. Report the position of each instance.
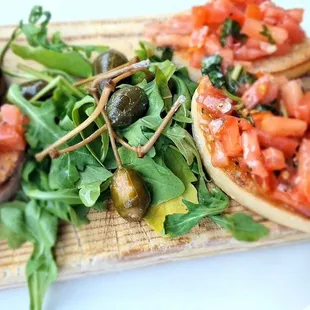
(123, 132)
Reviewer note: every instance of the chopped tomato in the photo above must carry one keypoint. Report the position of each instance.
(292, 95)
(230, 137)
(272, 12)
(196, 57)
(287, 145)
(283, 127)
(212, 45)
(245, 53)
(258, 118)
(296, 34)
(215, 15)
(10, 139)
(304, 169)
(218, 156)
(252, 153)
(267, 184)
(264, 90)
(254, 28)
(283, 49)
(273, 159)
(296, 14)
(199, 15)
(199, 36)
(253, 11)
(244, 124)
(12, 115)
(303, 110)
(292, 199)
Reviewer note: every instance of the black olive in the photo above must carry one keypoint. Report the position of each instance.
(130, 195)
(126, 106)
(31, 88)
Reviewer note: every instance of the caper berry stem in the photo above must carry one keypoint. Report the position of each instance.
(118, 76)
(84, 142)
(141, 151)
(105, 75)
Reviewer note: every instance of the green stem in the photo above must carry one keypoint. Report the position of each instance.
(56, 72)
(17, 75)
(6, 47)
(35, 73)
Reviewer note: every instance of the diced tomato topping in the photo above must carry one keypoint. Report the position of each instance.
(283, 127)
(304, 169)
(253, 11)
(264, 90)
(292, 95)
(252, 153)
(254, 28)
(218, 157)
(10, 139)
(196, 57)
(244, 124)
(12, 115)
(212, 45)
(273, 159)
(287, 145)
(199, 36)
(292, 199)
(303, 110)
(259, 117)
(296, 14)
(230, 137)
(199, 15)
(296, 34)
(283, 49)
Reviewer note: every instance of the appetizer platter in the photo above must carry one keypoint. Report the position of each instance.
(117, 151)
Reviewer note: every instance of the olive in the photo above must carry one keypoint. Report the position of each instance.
(2, 86)
(31, 88)
(108, 60)
(126, 106)
(129, 194)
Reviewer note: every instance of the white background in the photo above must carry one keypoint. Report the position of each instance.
(270, 279)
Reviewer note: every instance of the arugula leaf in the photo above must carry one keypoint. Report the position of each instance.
(157, 214)
(266, 33)
(232, 28)
(42, 129)
(241, 226)
(209, 203)
(161, 182)
(183, 74)
(212, 66)
(70, 62)
(90, 181)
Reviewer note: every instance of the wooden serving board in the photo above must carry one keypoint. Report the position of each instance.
(109, 243)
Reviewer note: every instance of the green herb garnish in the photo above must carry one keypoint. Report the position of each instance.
(212, 66)
(232, 28)
(266, 33)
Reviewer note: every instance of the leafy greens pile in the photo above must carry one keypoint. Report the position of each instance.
(66, 188)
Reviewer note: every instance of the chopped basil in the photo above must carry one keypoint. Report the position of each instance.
(232, 28)
(212, 66)
(266, 33)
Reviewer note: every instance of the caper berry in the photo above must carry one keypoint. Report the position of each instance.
(126, 106)
(130, 195)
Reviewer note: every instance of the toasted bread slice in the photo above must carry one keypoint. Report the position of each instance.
(293, 65)
(240, 187)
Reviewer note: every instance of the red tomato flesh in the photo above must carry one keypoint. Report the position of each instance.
(273, 159)
(283, 127)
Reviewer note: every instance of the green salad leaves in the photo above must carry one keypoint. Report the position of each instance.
(67, 187)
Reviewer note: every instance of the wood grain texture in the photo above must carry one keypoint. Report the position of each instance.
(109, 243)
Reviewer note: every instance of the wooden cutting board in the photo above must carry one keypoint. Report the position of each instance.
(109, 243)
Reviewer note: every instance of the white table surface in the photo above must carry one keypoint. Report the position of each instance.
(269, 279)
